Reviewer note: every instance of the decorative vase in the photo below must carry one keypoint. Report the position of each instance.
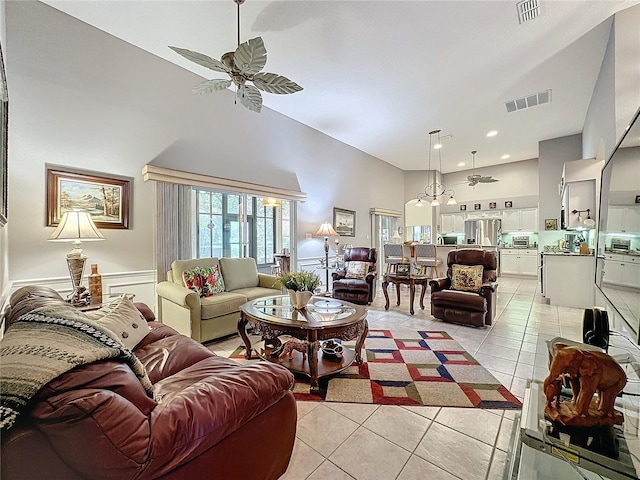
(299, 300)
(95, 284)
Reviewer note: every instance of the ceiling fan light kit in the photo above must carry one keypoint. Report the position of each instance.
(242, 66)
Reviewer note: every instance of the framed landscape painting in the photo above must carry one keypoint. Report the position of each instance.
(106, 198)
(344, 222)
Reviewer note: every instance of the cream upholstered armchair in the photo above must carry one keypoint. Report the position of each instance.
(468, 293)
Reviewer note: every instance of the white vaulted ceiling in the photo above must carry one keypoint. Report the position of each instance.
(379, 75)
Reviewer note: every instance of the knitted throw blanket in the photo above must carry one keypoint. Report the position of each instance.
(40, 346)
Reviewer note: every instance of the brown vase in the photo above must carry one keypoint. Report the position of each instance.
(95, 284)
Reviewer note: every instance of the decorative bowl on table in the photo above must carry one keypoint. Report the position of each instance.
(332, 349)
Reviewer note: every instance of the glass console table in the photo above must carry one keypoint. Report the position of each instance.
(535, 454)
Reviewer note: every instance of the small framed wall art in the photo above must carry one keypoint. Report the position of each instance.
(105, 197)
(508, 204)
(463, 208)
(492, 205)
(550, 224)
(477, 206)
(344, 222)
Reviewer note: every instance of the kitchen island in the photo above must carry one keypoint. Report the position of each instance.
(568, 279)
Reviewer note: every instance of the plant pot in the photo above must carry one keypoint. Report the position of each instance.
(299, 300)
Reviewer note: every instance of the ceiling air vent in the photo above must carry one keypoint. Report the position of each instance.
(528, 10)
(528, 101)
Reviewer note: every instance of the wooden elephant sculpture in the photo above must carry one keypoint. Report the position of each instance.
(594, 371)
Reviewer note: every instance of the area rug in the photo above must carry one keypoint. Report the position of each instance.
(403, 367)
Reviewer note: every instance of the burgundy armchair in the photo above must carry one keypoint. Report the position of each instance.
(356, 290)
(477, 308)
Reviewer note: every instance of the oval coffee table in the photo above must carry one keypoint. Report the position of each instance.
(323, 319)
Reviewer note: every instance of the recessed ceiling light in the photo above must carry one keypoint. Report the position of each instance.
(505, 156)
(492, 133)
(461, 164)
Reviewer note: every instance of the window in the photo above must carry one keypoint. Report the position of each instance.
(236, 224)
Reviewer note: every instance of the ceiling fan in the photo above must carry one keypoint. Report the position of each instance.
(242, 66)
(477, 178)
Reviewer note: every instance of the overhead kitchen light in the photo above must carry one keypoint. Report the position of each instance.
(242, 66)
(435, 190)
(492, 133)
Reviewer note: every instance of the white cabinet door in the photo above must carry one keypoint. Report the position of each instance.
(631, 274)
(458, 222)
(446, 223)
(528, 265)
(510, 221)
(631, 219)
(529, 219)
(612, 270)
(508, 263)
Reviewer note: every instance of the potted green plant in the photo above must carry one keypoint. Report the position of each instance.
(300, 286)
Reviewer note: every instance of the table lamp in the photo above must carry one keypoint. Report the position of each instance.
(326, 230)
(75, 226)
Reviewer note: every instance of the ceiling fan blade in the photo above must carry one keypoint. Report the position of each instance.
(211, 86)
(250, 97)
(201, 59)
(488, 180)
(272, 83)
(251, 56)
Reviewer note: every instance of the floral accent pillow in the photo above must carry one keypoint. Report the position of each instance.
(467, 278)
(204, 281)
(213, 283)
(357, 270)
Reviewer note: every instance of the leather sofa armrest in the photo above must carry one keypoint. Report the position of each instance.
(268, 281)
(488, 288)
(339, 274)
(178, 294)
(439, 284)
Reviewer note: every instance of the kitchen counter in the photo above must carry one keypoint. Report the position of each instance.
(569, 254)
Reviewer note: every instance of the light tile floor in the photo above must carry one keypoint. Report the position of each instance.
(380, 442)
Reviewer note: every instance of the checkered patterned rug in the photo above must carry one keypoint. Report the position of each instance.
(407, 367)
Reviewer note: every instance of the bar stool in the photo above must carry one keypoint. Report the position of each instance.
(425, 258)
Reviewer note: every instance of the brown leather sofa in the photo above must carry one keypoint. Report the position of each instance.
(212, 417)
(356, 290)
(470, 308)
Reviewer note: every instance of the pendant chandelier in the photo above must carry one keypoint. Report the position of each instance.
(435, 190)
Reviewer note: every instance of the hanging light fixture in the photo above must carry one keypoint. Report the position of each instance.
(435, 190)
(271, 202)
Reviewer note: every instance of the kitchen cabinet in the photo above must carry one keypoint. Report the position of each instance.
(520, 220)
(623, 219)
(452, 223)
(620, 269)
(515, 261)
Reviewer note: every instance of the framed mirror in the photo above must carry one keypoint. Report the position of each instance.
(618, 244)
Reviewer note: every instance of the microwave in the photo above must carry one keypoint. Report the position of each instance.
(521, 242)
(620, 245)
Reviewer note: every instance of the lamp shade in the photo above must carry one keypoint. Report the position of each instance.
(76, 225)
(326, 230)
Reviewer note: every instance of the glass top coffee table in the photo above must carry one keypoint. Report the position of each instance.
(322, 319)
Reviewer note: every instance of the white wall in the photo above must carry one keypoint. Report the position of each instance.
(85, 99)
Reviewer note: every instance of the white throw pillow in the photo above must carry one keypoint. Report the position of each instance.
(357, 270)
(123, 319)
